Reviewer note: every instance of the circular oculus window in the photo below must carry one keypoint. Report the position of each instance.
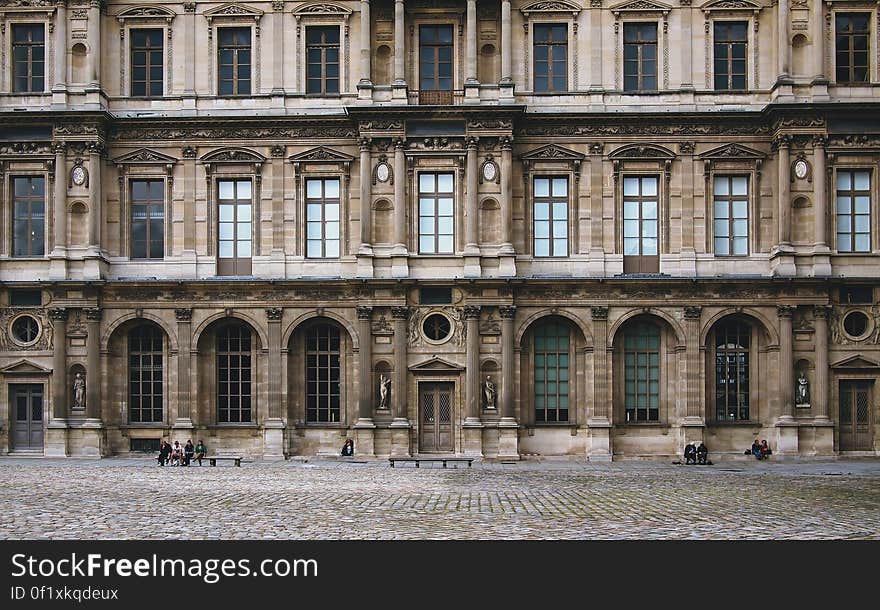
(856, 324)
(436, 327)
(25, 330)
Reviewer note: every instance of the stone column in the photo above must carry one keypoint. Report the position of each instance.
(600, 423)
(278, 48)
(472, 427)
(365, 84)
(786, 426)
(508, 438)
(596, 64)
(366, 195)
(784, 48)
(95, 151)
(819, 394)
(365, 365)
(400, 426)
(687, 71)
(471, 248)
(273, 425)
(60, 203)
(471, 82)
(782, 143)
(818, 40)
(820, 195)
(59, 363)
(184, 347)
(694, 415)
(93, 363)
(688, 249)
(596, 265)
(59, 84)
(507, 264)
(506, 82)
(189, 73)
(398, 86)
(94, 38)
(399, 262)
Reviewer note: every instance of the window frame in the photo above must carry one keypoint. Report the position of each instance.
(659, 220)
(435, 196)
(323, 46)
(871, 45)
(571, 368)
(251, 353)
(130, 208)
(753, 361)
(562, 12)
(12, 177)
(30, 45)
(872, 215)
(730, 175)
(163, 352)
(235, 178)
(323, 201)
(552, 220)
(308, 15)
(235, 65)
(131, 62)
(550, 75)
(340, 381)
(657, 57)
(620, 362)
(729, 44)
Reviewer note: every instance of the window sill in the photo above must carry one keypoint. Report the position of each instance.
(145, 425)
(551, 424)
(318, 424)
(234, 426)
(744, 424)
(642, 424)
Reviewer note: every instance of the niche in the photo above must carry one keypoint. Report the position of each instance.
(490, 221)
(382, 65)
(488, 66)
(382, 222)
(78, 226)
(78, 63)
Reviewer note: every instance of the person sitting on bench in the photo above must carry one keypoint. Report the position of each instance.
(702, 454)
(348, 447)
(690, 454)
(201, 451)
(756, 450)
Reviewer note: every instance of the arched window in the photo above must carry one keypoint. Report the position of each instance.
(146, 387)
(551, 368)
(234, 363)
(732, 371)
(323, 374)
(641, 361)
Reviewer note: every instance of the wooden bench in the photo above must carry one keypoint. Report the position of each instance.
(212, 459)
(417, 460)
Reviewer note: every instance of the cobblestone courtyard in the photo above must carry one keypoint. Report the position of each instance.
(121, 499)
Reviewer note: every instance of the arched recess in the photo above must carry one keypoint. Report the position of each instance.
(322, 375)
(488, 64)
(552, 311)
(382, 65)
(78, 63)
(203, 326)
(766, 326)
(138, 363)
(78, 227)
(331, 315)
(490, 221)
(802, 221)
(383, 225)
(645, 367)
(800, 55)
(676, 328)
(381, 367)
(552, 355)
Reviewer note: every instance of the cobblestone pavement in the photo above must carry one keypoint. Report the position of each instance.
(118, 498)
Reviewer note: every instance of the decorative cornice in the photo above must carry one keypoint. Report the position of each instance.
(550, 6)
(321, 8)
(233, 155)
(321, 154)
(144, 156)
(642, 151)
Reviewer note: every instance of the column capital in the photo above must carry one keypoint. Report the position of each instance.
(822, 312)
(183, 314)
(93, 314)
(506, 142)
(472, 142)
(59, 148)
(783, 140)
(507, 312)
(693, 312)
(364, 312)
(472, 312)
(599, 313)
(400, 313)
(189, 7)
(399, 143)
(365, 144)
(58, 314)
(273, 314)
(820, 141)
(785, 312)
(597, 148)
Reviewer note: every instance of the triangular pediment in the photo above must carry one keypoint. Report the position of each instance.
(24, 367)
(233, 155)
(233, 10)
(551, 6)
(641, 6)
(642, 151)
(321, 154)
(731, 5)
(144, 155)
(856, 362)
(552, 152)
(732, 151)
(436, 365)
(146, 12)
(321, 8)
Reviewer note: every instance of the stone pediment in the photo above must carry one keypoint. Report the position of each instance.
(856, 362)
(436, 366)
(233, 155)
(233, 10)
(552, 152)
(640, 6)
(642, 151)
(550, 6)
(321, 154)
(321, 8)
(732, 151)
(145, 156)
(731, 5)
(24, 367)
(146, 12)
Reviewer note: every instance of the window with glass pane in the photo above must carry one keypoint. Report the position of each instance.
(852, 35)
(731, 215)
(435, 213)
(732, 372)
(551, 368)
(29, 216)
(146, 63)
(234, 374)
(641, 363)
(322, 53)
(322, 373)
(234, 61)
(234, 227)
(322, 218)
(639, 56)
(551, 57)
(640, 236)
(551, 216)
(147, 218)
(854, 211)
(28, 57)
(731, 43)
(145, 387)
(435, 57)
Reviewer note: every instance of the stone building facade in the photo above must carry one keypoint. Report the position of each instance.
(498, 228)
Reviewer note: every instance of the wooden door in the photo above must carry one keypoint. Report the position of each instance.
(855, 415)
(435, 417)
(27, 405)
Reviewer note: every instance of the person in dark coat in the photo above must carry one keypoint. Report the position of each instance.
(164, 452)
(188, 451)
(702, 453)
(690, 454)
(756, 450)
(348, 447)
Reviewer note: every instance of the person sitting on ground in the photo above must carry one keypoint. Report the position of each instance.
(201, 451)
(348, 447)
(176, 454)
(690, 454)
(164, 452)
(756, 450)
(765, 449)
(702, 453)
(188, 452)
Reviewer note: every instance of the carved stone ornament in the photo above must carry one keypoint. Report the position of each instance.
(801, 169)
(34, 321)
(382, 172)
(144, 156)
(274, 314)
(183, 314)
(543, 7)
(489, 171)
(79, 175)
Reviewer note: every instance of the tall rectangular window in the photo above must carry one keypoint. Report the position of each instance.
(145, 387)
(640, 220)
(322, 218)
(639, 56)
(641, 361)
(435, 64)
(732, 372)
(28, 57)
(551, 57)
(323, 373)
(436, 213)
(731, 215)
(854, 211)
(731, 43)
(852, 35)
(322, 51)
(234, 61)
(551, 216)
(147, 218)
(29, 216)
(551, 368)
(234, 224)
(146, 63)
(234, 374)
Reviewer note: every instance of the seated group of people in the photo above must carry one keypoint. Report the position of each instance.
(181, 456)
(696, 455)
(760, 450)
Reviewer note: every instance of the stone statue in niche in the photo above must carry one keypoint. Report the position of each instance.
(802, 395)
(384, 388)
(79, 391)
(489, 391)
